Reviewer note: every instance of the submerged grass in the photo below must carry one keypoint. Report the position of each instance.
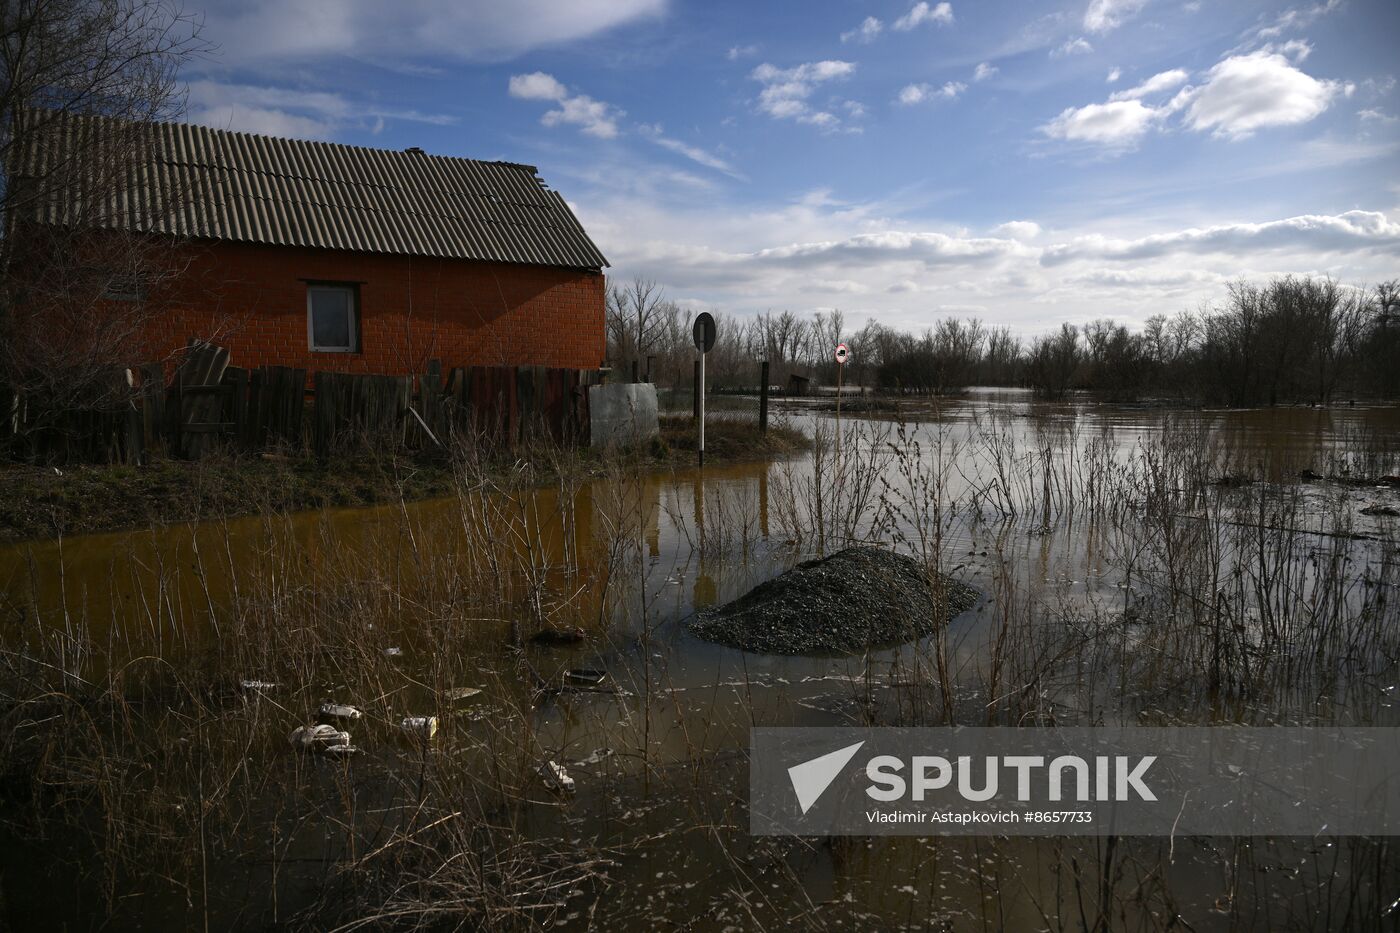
(46, 501)
(132, 749)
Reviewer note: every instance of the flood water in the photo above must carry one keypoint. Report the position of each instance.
(1034, 509)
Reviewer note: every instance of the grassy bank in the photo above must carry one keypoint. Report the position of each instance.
(41, 502)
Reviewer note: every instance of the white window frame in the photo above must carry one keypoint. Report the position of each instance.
(352, 303)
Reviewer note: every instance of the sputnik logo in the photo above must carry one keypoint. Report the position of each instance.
(811, 778)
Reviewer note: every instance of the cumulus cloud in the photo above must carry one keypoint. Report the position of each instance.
(592, 117)
(1018, 229)
(1163, 81)
(921, 13)
(291, 112)
(413, 30)
(868, 31)
(1246, 93)
(793, 254)
(786, 91)
(918, 93)
(1114, 125)
(1075, 46)
(1309, 233)
(983, 71)
(1106, 15)
(926, 249)
(1237, 97)
(1114, 74)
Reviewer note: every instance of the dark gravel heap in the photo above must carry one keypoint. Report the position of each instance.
(857, 598)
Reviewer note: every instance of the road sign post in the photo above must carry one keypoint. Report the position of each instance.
(704, 335)
(843, 353)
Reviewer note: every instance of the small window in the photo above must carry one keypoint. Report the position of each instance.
(330, 318)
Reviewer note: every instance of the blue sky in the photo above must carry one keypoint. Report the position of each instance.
(1030, 163)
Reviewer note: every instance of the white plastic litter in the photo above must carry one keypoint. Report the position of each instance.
(556, 778)
(257, 686)
(423, 727)
(393, 652)
(338, 711)
(307, 738)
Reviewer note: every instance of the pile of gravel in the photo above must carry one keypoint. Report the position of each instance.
(859, 598)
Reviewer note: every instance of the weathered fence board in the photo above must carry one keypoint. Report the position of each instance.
(210, 403)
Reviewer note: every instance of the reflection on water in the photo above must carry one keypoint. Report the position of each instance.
(1035, 506)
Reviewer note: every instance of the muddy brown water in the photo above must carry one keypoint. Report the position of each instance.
(707, 537)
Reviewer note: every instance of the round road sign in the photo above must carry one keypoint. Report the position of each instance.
(704, 332)
(843, 353)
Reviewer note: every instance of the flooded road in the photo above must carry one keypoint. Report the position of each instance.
(1092, 532)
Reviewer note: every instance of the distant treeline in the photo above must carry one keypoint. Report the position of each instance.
(1293, 339)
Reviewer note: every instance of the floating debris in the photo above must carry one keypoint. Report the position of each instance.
(423, 727)
(257, 686)
(556, 778)
(570, 635)
(393, 652)
(319, 737)
(598, 756)
(458, 694)
(340, 751)
(338, 711)
(585, 677)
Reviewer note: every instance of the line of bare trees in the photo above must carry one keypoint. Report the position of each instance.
(1292, 339)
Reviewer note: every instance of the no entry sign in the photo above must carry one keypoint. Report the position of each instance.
(843, 353)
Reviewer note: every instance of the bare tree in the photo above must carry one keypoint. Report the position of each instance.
(80, 83)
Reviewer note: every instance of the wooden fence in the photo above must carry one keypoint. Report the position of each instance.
(211, 405)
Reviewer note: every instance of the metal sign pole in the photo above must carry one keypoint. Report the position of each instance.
(702, 409)
(704, 334)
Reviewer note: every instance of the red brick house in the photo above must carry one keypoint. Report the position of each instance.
(334, 257)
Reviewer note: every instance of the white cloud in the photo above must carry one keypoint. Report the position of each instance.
(1295, 18)
(1018, 229)
(1307, 234)
(737, 52)
(1238, 96)
(921, 13)
(1114, 125)
(918, 93)
(413, 30)
(869, 30)
(1376, 116)
(1106, 15)
(656, 134)
(786, 90)
(983, 71)
(1114, 74)
(592, 117)
(1245, 93)
(1163, 81)
(537, 86)
(1076, 46)
(291, 112)
(820, 251)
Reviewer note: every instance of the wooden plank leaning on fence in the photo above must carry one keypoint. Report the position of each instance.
(198, 384)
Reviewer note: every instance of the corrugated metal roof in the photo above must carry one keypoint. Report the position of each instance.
(194, 181)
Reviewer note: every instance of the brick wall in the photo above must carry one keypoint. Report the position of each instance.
(252, 299)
